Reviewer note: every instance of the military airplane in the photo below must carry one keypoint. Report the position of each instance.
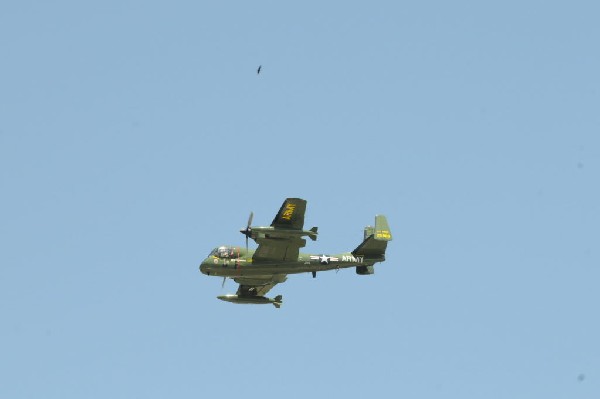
(278, 254)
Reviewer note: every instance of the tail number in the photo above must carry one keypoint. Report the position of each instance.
(383, 234)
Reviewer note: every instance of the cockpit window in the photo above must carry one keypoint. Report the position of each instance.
(222, 252)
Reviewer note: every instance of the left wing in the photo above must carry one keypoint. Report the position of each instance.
(282, 246)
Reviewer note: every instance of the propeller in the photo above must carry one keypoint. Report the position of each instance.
(248, 230)
(223, 283)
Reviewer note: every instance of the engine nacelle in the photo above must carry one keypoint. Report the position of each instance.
(365, 270)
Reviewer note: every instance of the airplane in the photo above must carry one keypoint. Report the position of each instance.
(278, 254)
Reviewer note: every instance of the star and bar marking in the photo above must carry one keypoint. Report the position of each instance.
(324, 259)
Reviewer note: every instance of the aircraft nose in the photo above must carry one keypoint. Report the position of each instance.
(204, 268)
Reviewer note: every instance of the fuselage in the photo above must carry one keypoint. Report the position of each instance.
(237, 262)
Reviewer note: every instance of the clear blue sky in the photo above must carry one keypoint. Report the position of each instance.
(135, 136)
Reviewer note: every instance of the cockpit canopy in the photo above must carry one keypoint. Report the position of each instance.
(223, 252)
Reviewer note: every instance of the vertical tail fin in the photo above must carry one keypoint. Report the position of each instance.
(382, 229)
(375, 241)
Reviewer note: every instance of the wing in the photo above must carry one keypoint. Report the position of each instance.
(283, 247)
(250, 287)
(278, 249)
(290, 215)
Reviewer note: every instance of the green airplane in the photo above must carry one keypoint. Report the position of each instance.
(278, 254)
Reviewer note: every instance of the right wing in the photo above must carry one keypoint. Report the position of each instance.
(278, 249)
(290, 215)
(283, 247)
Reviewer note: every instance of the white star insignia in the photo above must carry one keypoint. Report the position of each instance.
(324, 259)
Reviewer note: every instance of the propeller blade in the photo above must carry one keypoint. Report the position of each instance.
(250, 220)
(248, 230)
(223, 283)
